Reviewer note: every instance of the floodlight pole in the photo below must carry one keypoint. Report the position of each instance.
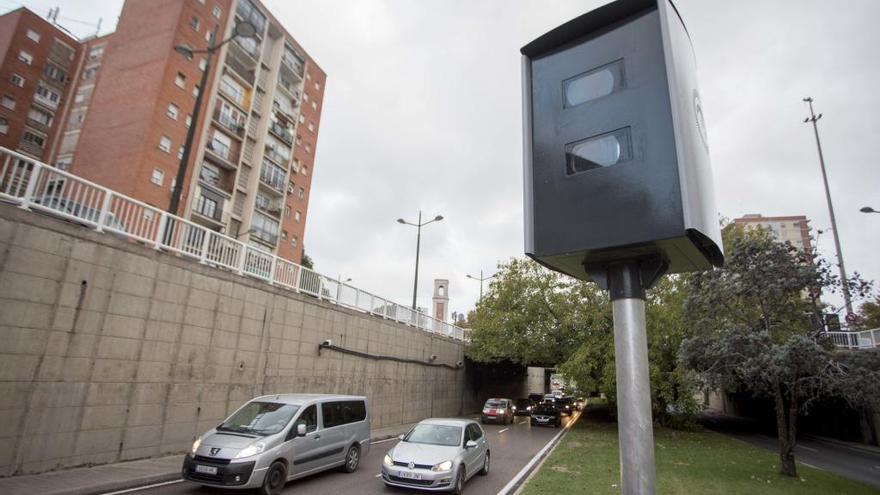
(635, 424)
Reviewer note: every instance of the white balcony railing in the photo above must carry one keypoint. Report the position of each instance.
(33, 185)
(865, 339)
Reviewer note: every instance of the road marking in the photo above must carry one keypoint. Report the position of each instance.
(502, 431)
(383, 441)
(137, 489)
(379, 475)
(516, 481)
(812, 466)
(807, 448)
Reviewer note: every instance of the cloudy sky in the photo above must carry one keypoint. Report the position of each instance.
(422, 112)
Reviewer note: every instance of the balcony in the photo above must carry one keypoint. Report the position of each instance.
(275, 156)
(273, 176)
(221, 154)
(232, 124)
(271, 207)
(283, 133)
(218, 181)
(289, 87)
(289, 112)
(248, 46)
(240, 69)
(294, 64)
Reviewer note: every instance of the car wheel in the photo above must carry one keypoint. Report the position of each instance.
(458, 489)
(485, 469)
(352, 459)
(276, 478)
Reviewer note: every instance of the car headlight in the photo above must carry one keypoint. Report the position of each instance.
(196, 444)
(529, 408)
(388, 461)
(514, 408)
(252, 449)
(443, 466)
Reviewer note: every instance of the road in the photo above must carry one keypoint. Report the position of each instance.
(512, 447)
(851, 461)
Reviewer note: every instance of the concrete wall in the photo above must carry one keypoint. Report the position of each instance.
(110, 350)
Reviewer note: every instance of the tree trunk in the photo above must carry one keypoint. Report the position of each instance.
(787, 465)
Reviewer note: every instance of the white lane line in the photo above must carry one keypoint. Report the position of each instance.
(502, 431)
(514, 482)
(812, 466)
(379, 475)
(137, 489)
(383, 441)
(806, 448)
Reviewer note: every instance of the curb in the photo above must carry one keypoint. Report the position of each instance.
(870, 449)
(122, 485)
(515, 485)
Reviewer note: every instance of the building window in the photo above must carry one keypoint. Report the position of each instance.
(89, 74)
(33, 138)
(286, 211)
(63, 163)
(25, 57)
(194, 23)
(203, 63)
(172, 111)
(195, 91)
(96, 53)
(8, 102)
(312, 126)
(165, 144)
(180, 80)
(33, 35)
(297, 216)
(317, 86)
(293, 241)
(305, 170)
(283, 235)
(47, 96)
(158, 176)
(55, 73)
(41, 117)
(210, 174)
(308, 76)
(302, 119)
(302, 193)
(308, 148)
(207, 207)
(189, 120)
(264, 228)
(4, 126)
(314, 105)
(180, 152)
(16, 80)
(217, 12)
(305, 97)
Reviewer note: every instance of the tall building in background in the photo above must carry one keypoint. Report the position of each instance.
(39, 61)
(794, 229)
(252, 158)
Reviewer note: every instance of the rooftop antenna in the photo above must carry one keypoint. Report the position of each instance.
(98, 30)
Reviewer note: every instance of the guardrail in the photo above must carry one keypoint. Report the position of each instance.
(865, 339)
(33, 185)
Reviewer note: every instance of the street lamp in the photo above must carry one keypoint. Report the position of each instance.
(814, 118)
(481, 279)
(242, 30)
(418, 226)
(868, 209)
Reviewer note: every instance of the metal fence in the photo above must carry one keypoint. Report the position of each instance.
(33, 185)
(865, 339)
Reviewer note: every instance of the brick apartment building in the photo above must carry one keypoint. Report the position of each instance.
(251, 162)
(39, 62)
(794, 229)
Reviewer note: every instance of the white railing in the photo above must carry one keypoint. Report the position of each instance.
(865, 339)
(33, 185)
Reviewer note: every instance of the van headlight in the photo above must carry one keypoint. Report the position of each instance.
(196, 445)
(388, 461)
(252, 449)
(443, 466)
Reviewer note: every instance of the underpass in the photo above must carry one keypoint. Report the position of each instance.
(512, 447)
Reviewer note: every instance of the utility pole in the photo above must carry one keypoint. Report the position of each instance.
(813, 118)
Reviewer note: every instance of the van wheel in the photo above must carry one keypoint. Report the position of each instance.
(352, 459)
(458, 489)
(276, 478)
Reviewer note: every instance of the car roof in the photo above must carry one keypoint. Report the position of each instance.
(300, 399)
(447, 421)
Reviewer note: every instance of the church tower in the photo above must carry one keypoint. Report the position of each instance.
(441, 298)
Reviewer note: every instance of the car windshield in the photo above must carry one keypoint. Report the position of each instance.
(494, 404)
(523, 403)
(260, 418)
(545, 409)
(434, 435)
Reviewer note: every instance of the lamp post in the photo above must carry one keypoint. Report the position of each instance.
(481, 279)
(846, 296)
(418, 227)
(242, 29)
(868, 209)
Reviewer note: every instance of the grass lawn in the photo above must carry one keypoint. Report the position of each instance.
(687, 463)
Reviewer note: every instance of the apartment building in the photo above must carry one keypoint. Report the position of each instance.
(36, 81)
(794, 229)
(251, 163)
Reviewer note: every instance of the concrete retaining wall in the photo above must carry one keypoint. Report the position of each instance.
(110, 350)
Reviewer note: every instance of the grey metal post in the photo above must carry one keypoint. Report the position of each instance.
(635, 424)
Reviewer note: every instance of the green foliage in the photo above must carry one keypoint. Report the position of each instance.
(869, 314)
(307, 261)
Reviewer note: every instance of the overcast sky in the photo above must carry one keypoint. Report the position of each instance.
(422, 112)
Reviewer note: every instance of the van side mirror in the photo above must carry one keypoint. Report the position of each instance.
(301, 430)
(470, 444)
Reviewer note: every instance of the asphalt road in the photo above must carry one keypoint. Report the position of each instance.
(512, 447)
(853, 461)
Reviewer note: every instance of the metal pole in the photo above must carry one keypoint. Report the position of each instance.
(635, 425)
(190, 133)
(418, 243)
(481, 285)
(846, 295)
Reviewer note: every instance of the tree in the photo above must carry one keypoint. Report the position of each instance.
(869, 314)
(753, 330)
(306, 261)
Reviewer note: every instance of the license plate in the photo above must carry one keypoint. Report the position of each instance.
(542, 420)
(206, 469)
(409, 475)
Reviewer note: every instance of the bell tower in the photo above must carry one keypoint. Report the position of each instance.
(441, 298)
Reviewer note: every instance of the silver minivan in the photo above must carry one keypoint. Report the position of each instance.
(277, 438)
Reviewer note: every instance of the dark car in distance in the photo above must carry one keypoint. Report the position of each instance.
(546, 414)
(522, 407)
(566, 405)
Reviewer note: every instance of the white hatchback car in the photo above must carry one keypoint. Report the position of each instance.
(438, 455)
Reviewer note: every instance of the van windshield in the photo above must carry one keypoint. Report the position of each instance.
(260, 418)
